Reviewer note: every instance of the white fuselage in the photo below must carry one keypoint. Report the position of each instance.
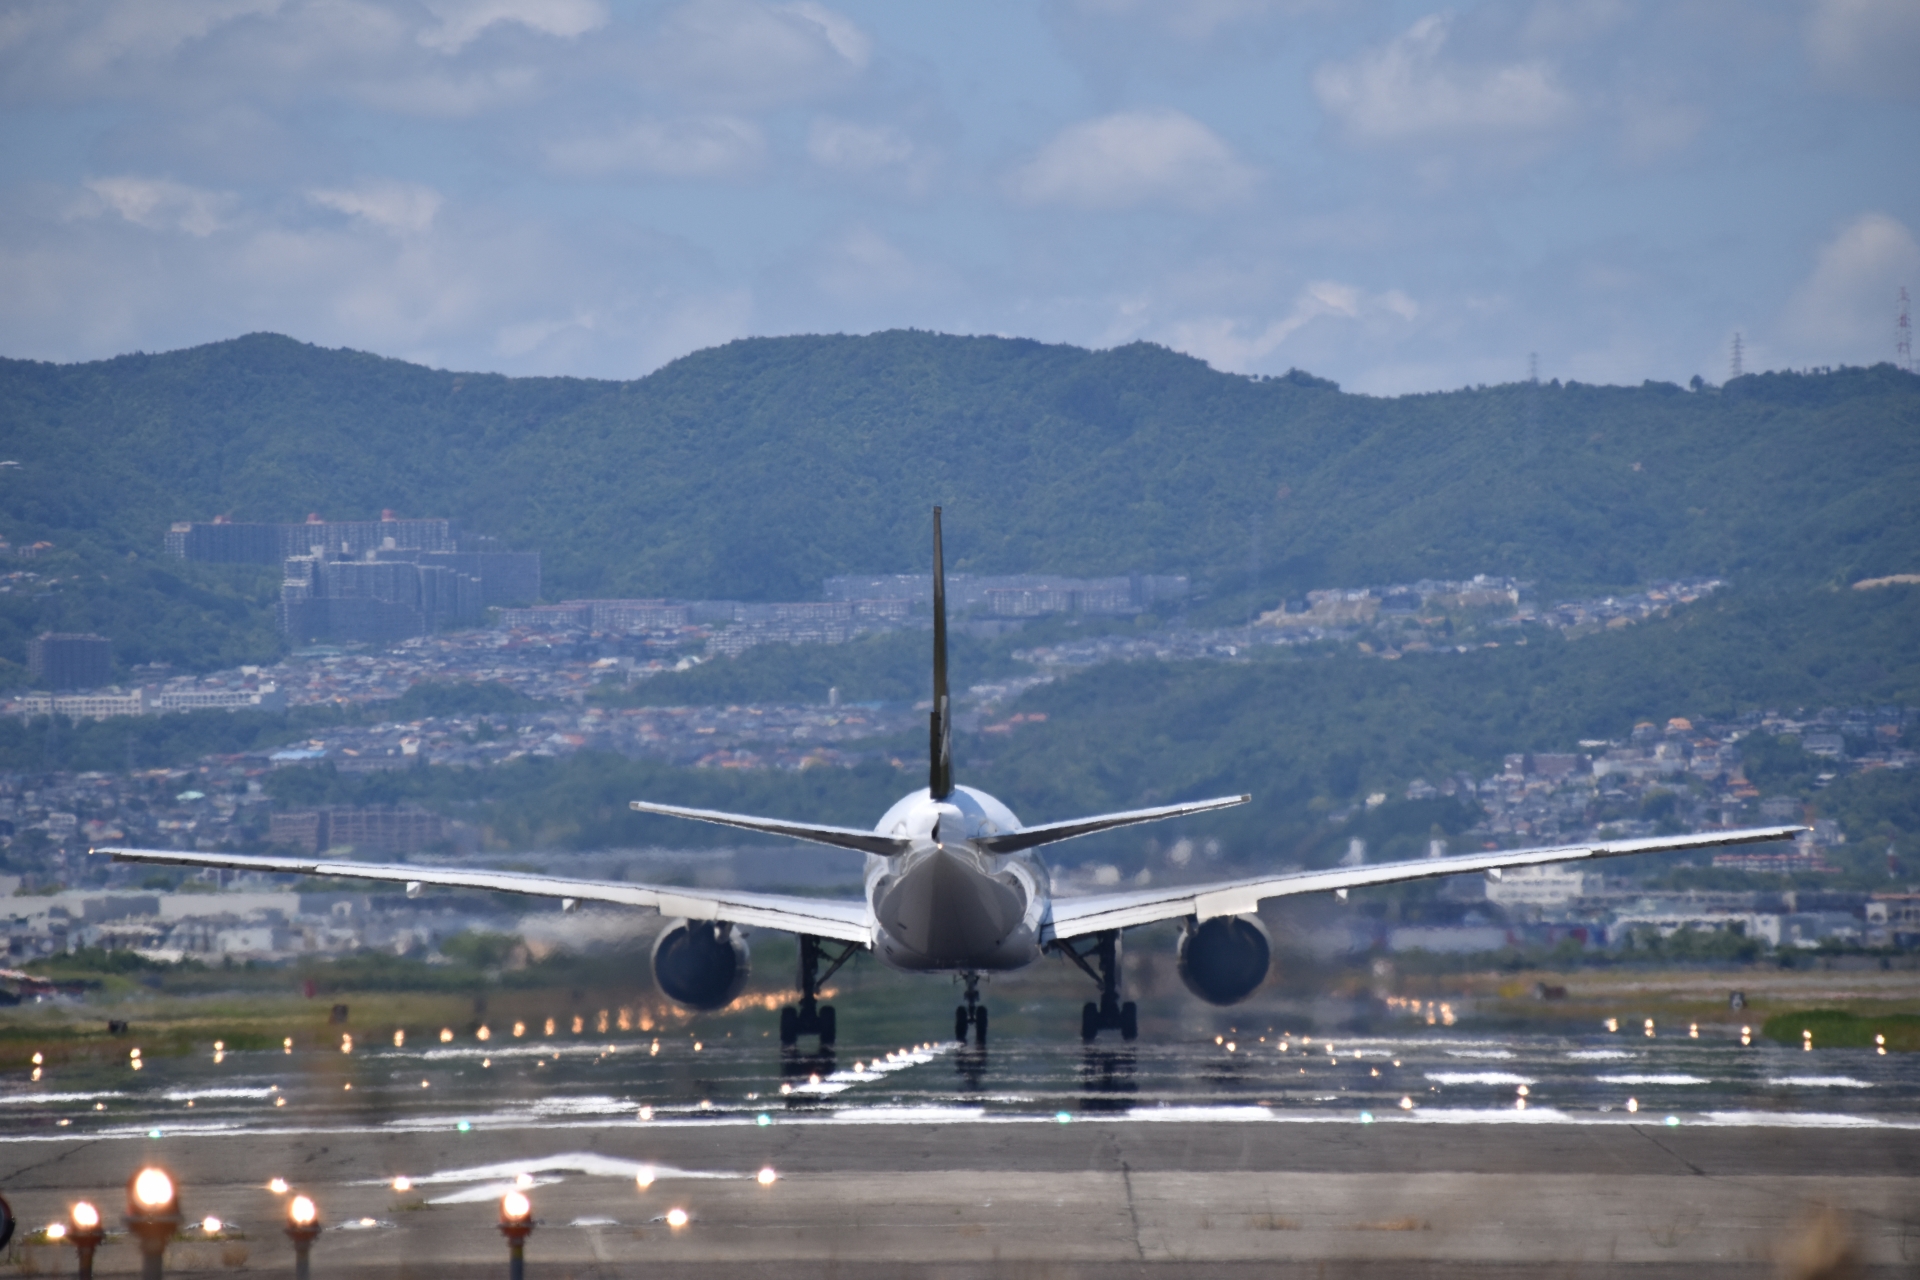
(947, 904)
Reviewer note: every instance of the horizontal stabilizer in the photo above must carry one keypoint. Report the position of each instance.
(839, 837)
(1053, 832)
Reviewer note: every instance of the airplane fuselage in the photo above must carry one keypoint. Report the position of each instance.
(947, 904)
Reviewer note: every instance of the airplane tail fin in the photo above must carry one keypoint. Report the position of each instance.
(940, 723)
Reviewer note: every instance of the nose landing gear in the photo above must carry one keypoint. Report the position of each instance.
(813, 1018)
(1110, 1014)
(972, 1014)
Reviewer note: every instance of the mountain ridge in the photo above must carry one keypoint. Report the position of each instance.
(758, 468)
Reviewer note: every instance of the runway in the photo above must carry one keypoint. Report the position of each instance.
(1034, 1159)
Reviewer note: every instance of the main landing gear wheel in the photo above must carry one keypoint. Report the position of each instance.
(812, 1018)
(971, 1015)
(1109, 1014)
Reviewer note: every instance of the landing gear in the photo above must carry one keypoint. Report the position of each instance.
(813, 1018)
(1109, 1014)
(971, 1015)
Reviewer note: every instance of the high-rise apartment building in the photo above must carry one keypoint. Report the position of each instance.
(61, 660)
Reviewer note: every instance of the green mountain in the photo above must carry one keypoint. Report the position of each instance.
(756, 469)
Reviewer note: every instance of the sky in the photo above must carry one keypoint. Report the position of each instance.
(1400, 197)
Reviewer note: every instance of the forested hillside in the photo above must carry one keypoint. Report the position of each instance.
(756, 469)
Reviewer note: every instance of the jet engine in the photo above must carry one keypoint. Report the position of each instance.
(1223, 960)
(700, 964)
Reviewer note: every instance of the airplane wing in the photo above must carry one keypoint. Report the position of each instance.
(839, 837)
(821, 917)
(1096, 913)
(1048, 833)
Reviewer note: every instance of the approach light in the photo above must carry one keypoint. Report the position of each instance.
(85, 1235)
(303, 1227)
(150, 1192)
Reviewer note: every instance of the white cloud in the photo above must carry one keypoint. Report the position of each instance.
(1231, 344)
(1844, 310)
(696, 147)
(461, 22)
(1191, 20)
(402, 207)
(1410, 91)
(856, 148)
(1867, 46)
(160, 204)
(747, 53)
(1653, 130)
(863, 265)
(1134, 158)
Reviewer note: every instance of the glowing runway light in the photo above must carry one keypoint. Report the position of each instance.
(278, 1186)
(1406, 1104)
(403, 1183)
(210, 1225)
(1649, 1028)
(446, 1035)
(766, 1177)
(676, 1218)
(643, 1177)
(399, 1039)
(1633, 1104)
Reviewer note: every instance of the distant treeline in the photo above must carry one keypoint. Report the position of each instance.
(756, 469)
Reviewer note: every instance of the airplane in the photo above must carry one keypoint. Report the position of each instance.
(954, 885)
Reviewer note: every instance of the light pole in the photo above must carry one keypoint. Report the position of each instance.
(153, 1214)
(303, 1226)
(516, 1224)
(85, 1235)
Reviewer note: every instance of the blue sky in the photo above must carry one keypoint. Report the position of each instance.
(1401, 197)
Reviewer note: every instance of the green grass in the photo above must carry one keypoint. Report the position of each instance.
(1838, 1029)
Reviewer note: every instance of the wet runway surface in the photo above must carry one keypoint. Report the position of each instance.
(588, 1079)
(1268, 1156)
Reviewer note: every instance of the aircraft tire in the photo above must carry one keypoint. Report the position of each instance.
(960, 1021)
(789, 1026)
(980, 1027)
(1129, 1021)
(828, 1025)
(1089, 1021)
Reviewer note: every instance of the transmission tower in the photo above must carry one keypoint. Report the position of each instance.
(1737, 365)
(1903, 335)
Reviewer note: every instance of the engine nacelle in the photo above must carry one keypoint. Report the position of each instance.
(700, 964)
(1223, 960)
